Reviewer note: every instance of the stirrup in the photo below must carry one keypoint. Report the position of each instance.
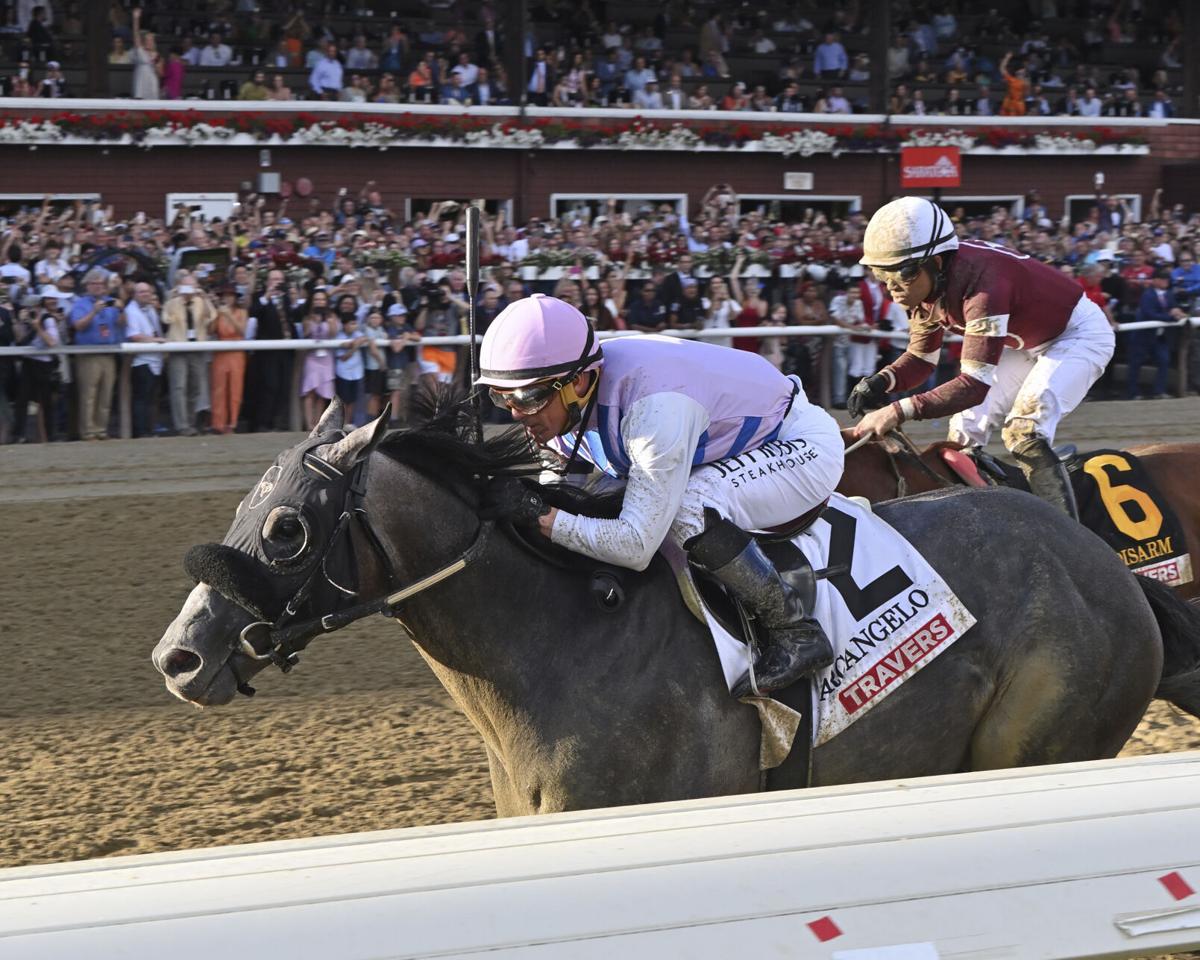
(807, 656)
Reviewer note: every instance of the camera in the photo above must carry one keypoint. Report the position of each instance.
(431, 292)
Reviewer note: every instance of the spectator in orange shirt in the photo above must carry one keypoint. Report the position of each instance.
(1018, 87)
(420, 83)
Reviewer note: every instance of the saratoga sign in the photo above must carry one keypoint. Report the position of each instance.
(930, 167)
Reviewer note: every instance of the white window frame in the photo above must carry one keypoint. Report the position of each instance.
(1015, 201)
(56, 197)
(49, 196)
(1133, 199)
(218, 204)
(505, 205)
(679, 199)
(801, 196)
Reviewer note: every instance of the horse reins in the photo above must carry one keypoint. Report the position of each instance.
(281, 643)
(909, 448)
(916, 455)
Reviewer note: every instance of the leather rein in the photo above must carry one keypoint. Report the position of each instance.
(910, 449)
(280, 642)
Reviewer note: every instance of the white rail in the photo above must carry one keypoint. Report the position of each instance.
(210, 346)
(824, 379)
(1093, 859)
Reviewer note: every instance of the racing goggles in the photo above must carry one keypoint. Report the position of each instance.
(907, 272)
(526, 400)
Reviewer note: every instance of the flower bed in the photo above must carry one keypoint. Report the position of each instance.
(380, 131)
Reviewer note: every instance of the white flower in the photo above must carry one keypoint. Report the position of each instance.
(497, 136)
(26, 131)
(678, 137)
(1049, 143)
(802, 142)
(940, 138)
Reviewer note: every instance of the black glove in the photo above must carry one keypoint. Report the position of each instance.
(508, 499)
(870, 393)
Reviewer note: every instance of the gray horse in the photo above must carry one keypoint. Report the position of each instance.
(581, 708)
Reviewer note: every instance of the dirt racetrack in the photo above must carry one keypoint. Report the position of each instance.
(96, 758)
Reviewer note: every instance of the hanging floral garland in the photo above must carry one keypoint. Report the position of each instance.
(382, 131)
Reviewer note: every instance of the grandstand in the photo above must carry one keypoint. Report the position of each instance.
(588, 204)
(1107, 46)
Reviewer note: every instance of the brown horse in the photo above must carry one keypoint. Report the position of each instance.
(893, 467)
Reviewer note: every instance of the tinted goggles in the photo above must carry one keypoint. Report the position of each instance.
(526, 400)
(907, 272)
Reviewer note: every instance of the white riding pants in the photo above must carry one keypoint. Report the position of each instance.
(771, 484)
(1044, 384)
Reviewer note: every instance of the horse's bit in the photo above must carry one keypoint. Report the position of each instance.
(281, 644)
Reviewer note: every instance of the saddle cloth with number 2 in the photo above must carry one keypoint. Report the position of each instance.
(888, 614)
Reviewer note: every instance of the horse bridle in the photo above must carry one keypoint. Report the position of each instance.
(281, 642)
(911, 450)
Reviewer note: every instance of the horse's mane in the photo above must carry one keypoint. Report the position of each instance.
(443, 446)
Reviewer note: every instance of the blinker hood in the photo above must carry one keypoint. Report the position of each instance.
(239, 568)
(238, 577)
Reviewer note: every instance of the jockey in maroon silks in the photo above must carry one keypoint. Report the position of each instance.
(1033, 343)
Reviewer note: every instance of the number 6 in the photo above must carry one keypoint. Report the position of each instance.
(1115, 496)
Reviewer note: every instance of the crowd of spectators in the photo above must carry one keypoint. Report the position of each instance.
(374, 285)
(1041, 58)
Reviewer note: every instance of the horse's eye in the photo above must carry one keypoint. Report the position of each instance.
(284, 535)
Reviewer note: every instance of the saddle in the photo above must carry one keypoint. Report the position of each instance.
(793, 566)
(978, 468)
(607, 586)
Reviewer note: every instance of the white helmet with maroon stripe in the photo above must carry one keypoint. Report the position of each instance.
(907, 230)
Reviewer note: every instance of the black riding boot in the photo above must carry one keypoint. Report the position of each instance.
(793, 645)
(1047, 475)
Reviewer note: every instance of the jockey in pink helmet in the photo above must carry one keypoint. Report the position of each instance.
(710, 442)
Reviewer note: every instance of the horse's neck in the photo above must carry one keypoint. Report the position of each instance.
(879, 473)
(476, 624)
(926, 472)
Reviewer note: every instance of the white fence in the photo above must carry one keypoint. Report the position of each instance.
(1077, 860)
(128, 350)
(209, 346)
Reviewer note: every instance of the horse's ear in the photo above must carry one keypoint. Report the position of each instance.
(333, 419)
(345, 453)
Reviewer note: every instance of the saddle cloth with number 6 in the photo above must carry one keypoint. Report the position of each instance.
(1120, 504)
(888, 614)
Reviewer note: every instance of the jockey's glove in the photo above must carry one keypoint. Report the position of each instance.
(870, 393)
(507, 499)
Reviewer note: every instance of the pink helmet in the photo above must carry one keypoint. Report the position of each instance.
(537, 338)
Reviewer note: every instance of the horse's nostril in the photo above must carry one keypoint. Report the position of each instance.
(179, 662)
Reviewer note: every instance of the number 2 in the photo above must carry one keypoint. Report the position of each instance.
(860, 601)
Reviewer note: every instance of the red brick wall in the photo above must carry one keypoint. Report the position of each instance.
(134, 179)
